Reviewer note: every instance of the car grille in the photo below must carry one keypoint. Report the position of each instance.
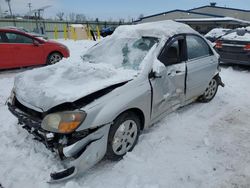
(30, 112)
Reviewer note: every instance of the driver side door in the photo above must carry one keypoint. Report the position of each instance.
(168, 87)
(25, 53)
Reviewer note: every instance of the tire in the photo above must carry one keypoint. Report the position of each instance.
(123, 135)
(210, 91)
(54, 58)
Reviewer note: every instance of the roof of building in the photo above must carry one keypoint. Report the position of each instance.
(216, 19)
(179, 10)
(192, 11)
(209, 6)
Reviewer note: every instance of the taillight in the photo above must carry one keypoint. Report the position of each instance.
(218, 44)
(247, 47)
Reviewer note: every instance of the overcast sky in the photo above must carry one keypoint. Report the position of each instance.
(115, 8)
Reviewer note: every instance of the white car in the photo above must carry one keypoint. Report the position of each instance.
(216, 33)
(88, 110)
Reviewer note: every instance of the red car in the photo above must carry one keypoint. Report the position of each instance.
(20, 49)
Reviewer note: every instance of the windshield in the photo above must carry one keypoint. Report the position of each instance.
(125, 53)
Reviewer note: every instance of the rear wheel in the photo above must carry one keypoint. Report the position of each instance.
(54, 58)
(123, 135)
(210, 91)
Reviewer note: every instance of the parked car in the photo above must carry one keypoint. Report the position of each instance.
(234, 47)
(127, 82)
(107, 31)
(34, 34)
(216, 33)
(20, 49)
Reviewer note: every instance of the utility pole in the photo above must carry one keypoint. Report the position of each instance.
(1, 13)
(8, 1)
(29, 5)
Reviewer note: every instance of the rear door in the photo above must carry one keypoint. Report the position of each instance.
(201, 66)
(6, 58)
(169, 87)
(24, 52)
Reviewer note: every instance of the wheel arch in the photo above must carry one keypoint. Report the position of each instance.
(138, 112)
(55, 51)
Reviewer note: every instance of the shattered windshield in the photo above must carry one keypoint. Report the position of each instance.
(125, 53)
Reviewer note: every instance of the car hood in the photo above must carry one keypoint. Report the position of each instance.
(44, 88)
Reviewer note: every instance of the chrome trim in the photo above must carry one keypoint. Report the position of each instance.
(234, 45)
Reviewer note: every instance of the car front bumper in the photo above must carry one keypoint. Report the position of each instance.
(77, 157)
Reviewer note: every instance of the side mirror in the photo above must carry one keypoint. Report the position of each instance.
(157, 72)
(154, 75)
(36, 43)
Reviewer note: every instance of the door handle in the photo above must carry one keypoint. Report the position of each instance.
(172, 73)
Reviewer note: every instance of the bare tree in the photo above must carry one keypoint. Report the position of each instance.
(80, 17)
(60, 15)
(72, 16)
(140, 16)
(8, 1)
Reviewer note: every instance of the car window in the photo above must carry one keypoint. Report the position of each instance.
(1, 37)
(197, 47)
(17, 38)
(173, 53)
(123, 52)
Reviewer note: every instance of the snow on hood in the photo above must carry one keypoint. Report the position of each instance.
(50, 86)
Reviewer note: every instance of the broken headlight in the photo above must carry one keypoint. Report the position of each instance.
(63, 122)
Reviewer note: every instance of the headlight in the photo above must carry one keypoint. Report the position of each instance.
(11, 97)
(63, 122)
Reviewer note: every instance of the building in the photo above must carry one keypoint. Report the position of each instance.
(204, 18)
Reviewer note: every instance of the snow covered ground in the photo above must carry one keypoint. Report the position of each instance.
(201, 145)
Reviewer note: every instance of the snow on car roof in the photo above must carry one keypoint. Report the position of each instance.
(239, 34)
(159, 29)
(217, 32)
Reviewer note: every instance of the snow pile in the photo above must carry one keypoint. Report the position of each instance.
(217, 32)
(200, 145)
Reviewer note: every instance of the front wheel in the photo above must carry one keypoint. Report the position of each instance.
(123, 135)
(210, 91)
(54, 58)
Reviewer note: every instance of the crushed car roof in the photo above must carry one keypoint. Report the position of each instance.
(159, 29)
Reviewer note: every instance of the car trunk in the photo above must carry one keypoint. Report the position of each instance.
(233, 50)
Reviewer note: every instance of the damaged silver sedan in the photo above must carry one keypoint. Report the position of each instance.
(89, 110)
